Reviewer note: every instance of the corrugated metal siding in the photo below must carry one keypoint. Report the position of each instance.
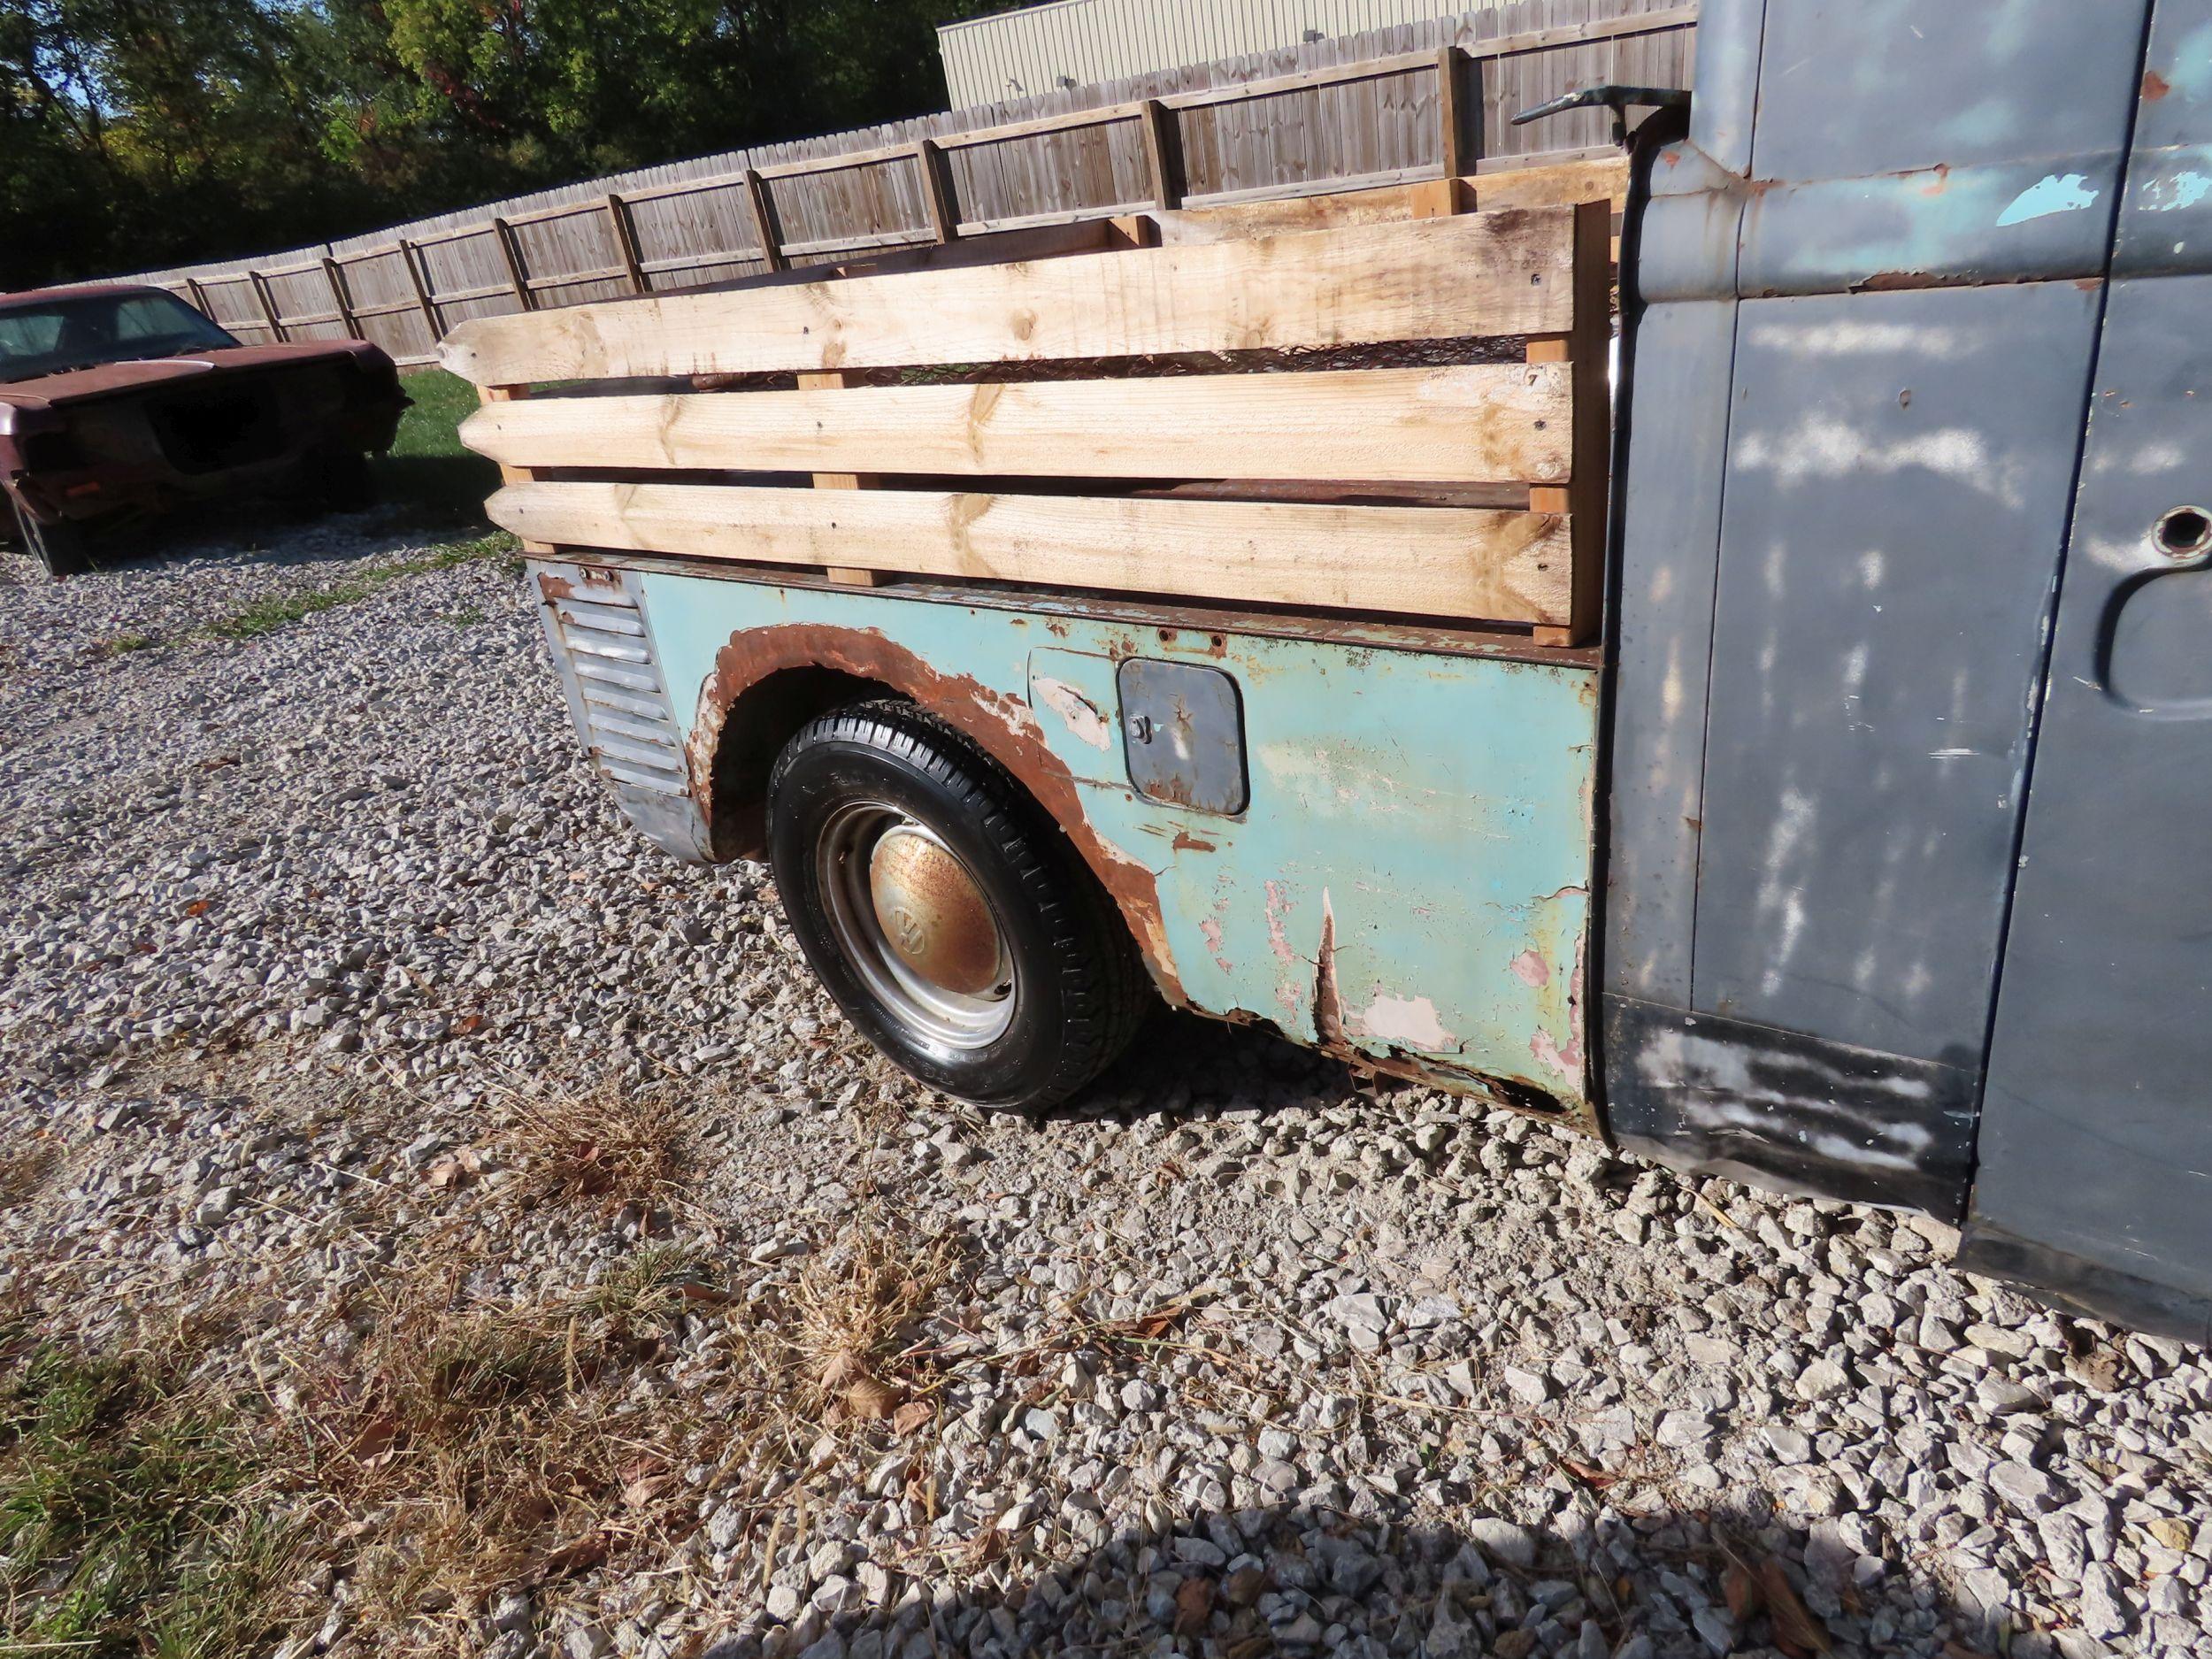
(1075, 43)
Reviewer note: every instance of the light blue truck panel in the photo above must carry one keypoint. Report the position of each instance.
(1408, 883)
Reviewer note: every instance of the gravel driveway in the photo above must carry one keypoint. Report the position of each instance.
(300, 930)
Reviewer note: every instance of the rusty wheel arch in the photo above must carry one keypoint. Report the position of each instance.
(774, 679)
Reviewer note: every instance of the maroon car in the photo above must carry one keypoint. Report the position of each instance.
(117, 399)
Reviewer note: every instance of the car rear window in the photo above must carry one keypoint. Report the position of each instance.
(72, 333)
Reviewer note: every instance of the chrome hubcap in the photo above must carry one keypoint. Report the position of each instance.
(916, 926)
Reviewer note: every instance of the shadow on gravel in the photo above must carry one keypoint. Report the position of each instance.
(1295, 1580)
(1186, 1066)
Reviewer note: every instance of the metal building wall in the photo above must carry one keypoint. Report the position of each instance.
(1017, 54)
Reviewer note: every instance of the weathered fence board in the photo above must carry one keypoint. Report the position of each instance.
(1368, 108)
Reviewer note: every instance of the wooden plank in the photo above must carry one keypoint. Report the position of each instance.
(1480, 274)
(1578, 33)
(1484, 423)
(624, 231)
(1586, 351)
(819, 383)
(1563, 183)
(1417, 561)
(1164, 154)
(762, 206)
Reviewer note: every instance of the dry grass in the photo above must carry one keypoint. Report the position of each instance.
(858, 1306)
(25, 1169)
(609, 1143)
(468, 1447)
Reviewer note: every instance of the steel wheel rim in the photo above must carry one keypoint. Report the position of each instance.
(929, 1013)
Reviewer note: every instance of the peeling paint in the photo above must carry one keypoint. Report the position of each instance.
(2056, 193)
(1082, 716)
(1410, 1021)
(1531, 968)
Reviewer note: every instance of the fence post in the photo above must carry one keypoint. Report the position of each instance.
(510, 250)
(626, 242)
(1163, 155)
(764, 227)
(337, 279)
(944, 210)
(199, 297)
(1459, 156)
(419, 278)
(268, 306)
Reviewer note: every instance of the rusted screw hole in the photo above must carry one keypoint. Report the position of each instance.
(2185, 532)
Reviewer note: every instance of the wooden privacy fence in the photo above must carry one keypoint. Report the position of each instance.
(1036, 473)
(1428, 113)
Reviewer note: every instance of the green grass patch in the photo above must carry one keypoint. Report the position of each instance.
(430, 472)
(265, 616)
(127, 1525)
(124, 642)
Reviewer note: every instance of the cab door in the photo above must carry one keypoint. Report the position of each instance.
(2095, 1151)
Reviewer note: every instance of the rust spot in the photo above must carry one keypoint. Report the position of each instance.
(554, 587)
(2089, 284)
(2155, 85)
(1942, 171)
(1002, 726)
(1890, 282)
(1186, 843)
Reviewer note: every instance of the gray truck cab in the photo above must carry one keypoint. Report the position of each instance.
(1910, 713)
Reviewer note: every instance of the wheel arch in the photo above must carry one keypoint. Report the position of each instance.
(768, 682)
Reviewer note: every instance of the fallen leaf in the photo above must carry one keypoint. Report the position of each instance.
(199, 907)
(638, 1493)
(712, 1295)
(843, 1369)
(1596, 1480)
(911, 1416)
(1742, 1591)
(372, 1446)
(1194, 1605)
(468, 1024)
(870, 1401)
(1795, 1629)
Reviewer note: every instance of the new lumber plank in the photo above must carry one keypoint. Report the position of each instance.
(1429, 561)
(1504, 273)
(1488, 423)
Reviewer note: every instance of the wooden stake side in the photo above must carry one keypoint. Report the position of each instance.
(260, 286)
(337, 278)
(513, 474)
(820, 380)
(1587, 349)
(419, 278)
(510, 253)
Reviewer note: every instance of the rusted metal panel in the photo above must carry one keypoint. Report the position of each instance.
(1407, 885)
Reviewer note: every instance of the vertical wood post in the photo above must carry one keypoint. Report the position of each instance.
(936, 170)
(764, 227)
(268, 306)
(419, 278)
(1451, 115)
(819, 380)
(342, 299)
(1586, 348)
(513, 474)
(626, 242)
(510, 250)
(1163, 155)
(199, 298)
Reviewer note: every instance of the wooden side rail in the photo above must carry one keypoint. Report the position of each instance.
(1145, 478)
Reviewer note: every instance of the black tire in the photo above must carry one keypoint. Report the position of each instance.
(62, 548)
(1078, 991)
(340, 480)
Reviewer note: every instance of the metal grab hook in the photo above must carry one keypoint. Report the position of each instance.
(1615, 98)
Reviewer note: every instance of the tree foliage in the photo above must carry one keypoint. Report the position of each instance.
(143, 133)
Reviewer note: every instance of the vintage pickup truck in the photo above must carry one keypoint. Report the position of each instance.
(1805, 789)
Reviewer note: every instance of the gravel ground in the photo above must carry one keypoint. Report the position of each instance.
(1238, 1356)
